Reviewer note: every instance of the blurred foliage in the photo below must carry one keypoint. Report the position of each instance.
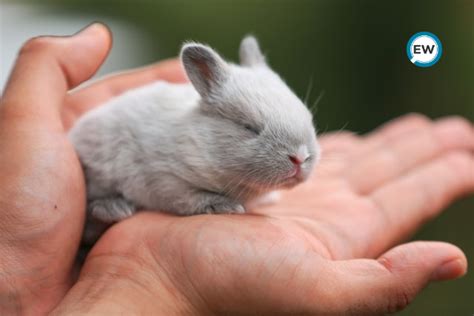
(355, 52)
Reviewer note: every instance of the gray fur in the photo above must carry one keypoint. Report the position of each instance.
(207, 147)
(249, 52)
(204, 67)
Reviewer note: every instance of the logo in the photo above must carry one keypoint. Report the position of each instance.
(424, 49)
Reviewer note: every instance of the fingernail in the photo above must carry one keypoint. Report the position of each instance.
(449, 270)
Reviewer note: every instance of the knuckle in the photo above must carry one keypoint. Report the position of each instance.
(460, 163)
(37, 44)
(386, 262)
(458, 124)
(416, 119)
(458, 119)
(399, 300)
(458, 168)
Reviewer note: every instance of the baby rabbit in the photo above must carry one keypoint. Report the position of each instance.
(235, 133)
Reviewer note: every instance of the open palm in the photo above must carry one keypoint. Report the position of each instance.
(322, 248)
(325, 248)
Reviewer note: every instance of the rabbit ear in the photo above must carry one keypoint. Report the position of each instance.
(204, 67)
(250, 54)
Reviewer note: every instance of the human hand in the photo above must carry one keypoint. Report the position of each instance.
(42, 194)
(293, 257)
(329, 247)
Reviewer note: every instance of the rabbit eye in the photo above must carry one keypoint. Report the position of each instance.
(251, 128)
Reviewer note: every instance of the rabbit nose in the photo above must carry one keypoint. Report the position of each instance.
(295, 160)
(300, 157)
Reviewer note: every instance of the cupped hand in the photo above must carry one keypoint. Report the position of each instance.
(42, 194)
(328, 247)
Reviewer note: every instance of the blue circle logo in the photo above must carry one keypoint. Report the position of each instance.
(424, 49)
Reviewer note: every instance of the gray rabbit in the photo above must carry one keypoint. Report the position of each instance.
(236, 133)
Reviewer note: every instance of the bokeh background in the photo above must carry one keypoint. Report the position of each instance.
(353, 51)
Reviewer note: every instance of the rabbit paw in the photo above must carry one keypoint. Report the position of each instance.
(210, 203)
(224, 208)
(110, 210)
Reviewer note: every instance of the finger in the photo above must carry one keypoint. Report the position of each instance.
(339, 148)
(350, 142)
(339, 142)
(99, 92)
(403, 153)
(335, 149)
(49, 66)
(389, 284)
(397, 127)
(408, 202)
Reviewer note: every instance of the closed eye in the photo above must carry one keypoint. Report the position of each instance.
(251, 129)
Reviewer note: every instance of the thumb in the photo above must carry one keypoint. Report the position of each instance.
(47, 67)
(390, 283)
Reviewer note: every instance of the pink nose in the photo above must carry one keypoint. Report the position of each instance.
(300, 156)
(295, 160)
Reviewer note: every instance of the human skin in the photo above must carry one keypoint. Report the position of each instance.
(333, 245)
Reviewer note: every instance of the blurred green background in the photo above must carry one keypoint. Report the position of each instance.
(354, 51)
